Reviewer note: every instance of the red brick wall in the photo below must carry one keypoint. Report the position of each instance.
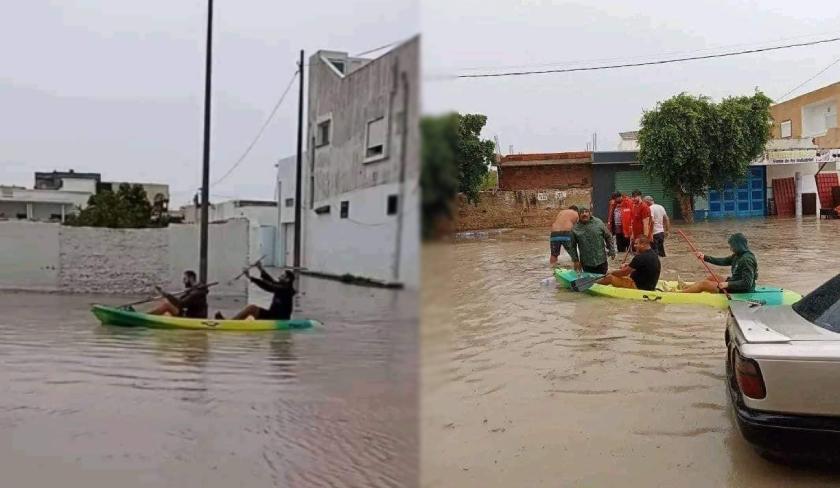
(557, 176)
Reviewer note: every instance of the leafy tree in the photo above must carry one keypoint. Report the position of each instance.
(693, 144)
(454, 159)
(126, 208)
(491, 181)
(439, 175)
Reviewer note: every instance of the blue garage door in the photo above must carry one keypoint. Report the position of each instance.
(746, 200)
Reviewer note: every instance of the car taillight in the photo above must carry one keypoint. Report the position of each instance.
(749, 377)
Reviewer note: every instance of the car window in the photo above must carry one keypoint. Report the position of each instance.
(822, 306)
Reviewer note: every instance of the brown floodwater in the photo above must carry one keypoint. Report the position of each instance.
(87, 405)
(527, 385)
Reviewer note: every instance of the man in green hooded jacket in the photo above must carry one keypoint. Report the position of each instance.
(590, 244)
(744, 269)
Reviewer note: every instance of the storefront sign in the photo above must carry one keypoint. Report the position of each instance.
(799, 156)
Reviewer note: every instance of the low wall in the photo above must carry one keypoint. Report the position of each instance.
(50, 257)
(524, 208)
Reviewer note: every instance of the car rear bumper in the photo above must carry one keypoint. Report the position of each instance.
(812, 436)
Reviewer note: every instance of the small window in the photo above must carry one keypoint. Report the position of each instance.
(323, 209)
(393, 204)
(786, 129)
(375, 138)
(339, 65)
(322, 137)
(345, 209)
(290, 202)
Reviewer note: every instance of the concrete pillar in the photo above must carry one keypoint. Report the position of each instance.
(798, 180)
(29, 212)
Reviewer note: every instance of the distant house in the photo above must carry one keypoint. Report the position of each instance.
(57, 194)
(361, 176)
(544, 171)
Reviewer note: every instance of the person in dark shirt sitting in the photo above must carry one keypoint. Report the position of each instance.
(282, 291)
(642, 273)
(192, 303)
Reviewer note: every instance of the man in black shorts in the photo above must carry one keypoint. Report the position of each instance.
(282, 291)
(642, 273)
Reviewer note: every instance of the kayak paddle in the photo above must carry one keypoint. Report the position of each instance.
(583, 284)
(151, 299)
(708, 269)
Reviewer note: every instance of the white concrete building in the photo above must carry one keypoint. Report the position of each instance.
(361, 194)
(286, 184)
(44, 205)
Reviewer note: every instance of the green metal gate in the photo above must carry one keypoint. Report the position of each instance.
(627, 181)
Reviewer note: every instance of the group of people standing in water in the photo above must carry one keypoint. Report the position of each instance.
(640, 226)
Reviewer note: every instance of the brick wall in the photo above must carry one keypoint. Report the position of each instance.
(509, 209)
(557, 176)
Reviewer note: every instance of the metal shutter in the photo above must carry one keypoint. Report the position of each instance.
(627, 181)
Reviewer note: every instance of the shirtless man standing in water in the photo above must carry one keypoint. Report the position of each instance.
(561, 232)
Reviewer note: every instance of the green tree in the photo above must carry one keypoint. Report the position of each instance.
(439, 174)
(693, 144)
(491, 181)
(455, 159)
(128, 207)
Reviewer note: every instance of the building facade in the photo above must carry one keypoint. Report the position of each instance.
(57, 194)
(361, 194)
(286, 184)
(812, 116)
(549, 171)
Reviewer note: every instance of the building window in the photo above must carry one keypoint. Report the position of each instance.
(393, 204)
(290, 202)
(322, 135)
(339, 65)
(376, 136)
(786, 129)
(345, 209)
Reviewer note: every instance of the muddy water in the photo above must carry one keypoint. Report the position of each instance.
(527, 385)
(86, 405)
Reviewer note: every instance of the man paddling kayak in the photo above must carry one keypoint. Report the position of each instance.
(561, 232)
(192, 303)
(282, 291)
(590, 244)
(744, 270)
(643, 271)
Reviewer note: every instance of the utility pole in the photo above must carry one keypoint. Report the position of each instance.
(298, 177)
(205, 176)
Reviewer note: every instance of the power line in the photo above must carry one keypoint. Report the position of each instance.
(261, 131)
(648, 63)
(669, 53)
(377, 49)
(809, 79)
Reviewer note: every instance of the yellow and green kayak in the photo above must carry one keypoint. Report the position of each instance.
(766, 295)
(125, 318)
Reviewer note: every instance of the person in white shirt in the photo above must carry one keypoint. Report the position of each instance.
(661, 225)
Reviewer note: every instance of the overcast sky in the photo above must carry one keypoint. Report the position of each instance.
(559, 112)
(116, 87)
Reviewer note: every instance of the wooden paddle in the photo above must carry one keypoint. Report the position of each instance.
(705, 265)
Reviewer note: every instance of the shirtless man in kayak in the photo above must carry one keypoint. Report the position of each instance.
(561, 232)
(191, 304)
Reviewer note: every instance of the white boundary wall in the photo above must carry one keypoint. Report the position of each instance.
(50, 257)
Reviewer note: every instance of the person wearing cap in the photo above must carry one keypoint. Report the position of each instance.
(661, 225)
(591, 243)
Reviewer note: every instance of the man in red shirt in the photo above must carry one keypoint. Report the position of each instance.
(642, 221)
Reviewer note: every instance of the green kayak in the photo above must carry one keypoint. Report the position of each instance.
(125, 318)
(765, 295)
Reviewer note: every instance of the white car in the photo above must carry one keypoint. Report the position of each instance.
(783, 372)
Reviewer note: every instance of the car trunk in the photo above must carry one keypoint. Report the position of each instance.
(799, 361)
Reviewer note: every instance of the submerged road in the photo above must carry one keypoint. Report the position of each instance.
(528, 385)
(87, 405)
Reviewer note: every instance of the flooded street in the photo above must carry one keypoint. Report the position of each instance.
(527, 385)
(87, 405)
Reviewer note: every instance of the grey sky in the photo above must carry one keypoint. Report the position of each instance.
(117, 87)
(559, 112)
